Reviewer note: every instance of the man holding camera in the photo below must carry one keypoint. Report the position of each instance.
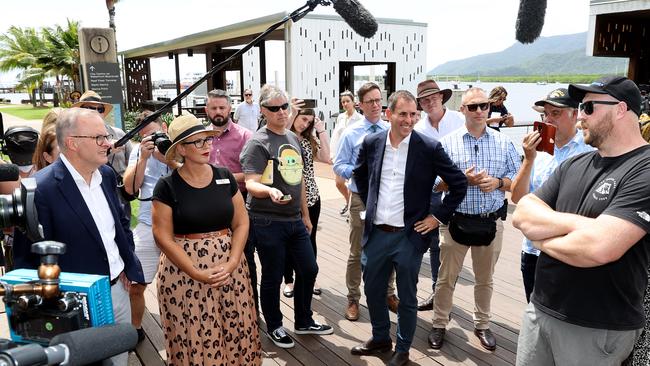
(77, 205)
(591, 220)
(146, 165)
(560, 111)
(490, 162)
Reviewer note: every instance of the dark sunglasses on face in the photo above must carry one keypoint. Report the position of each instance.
(248, 95)
(472, 107)
(276, 108)
(200, 142)
(100, 109)
(588, 107)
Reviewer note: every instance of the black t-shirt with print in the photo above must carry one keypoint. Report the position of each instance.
(608, 296)
(198, 210)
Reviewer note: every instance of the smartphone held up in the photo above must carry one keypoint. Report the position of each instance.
(547, 135)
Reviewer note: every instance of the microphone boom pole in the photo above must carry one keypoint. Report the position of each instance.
(295, 16)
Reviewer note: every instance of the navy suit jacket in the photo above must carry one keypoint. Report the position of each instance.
(425, 161)
(65, 218)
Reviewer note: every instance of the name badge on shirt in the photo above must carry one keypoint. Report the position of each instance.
(222, 181)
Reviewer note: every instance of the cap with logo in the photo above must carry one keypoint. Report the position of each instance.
(619, 87)
(558, 98)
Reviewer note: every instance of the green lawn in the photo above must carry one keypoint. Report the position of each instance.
(26, 112)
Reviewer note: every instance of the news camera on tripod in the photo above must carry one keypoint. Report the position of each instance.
(77, 204)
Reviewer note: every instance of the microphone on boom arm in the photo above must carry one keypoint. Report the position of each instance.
(530, 20)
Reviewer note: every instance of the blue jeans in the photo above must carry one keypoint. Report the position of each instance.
(434, 246)
(383, 252)
(274, 241)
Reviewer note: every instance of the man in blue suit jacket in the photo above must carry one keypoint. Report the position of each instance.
(77, 205)
(395, 174)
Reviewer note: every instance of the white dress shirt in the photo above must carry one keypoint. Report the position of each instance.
(451, 121)
(97, 204)
(390, 203)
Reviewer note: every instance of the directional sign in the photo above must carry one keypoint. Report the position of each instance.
(104, 78)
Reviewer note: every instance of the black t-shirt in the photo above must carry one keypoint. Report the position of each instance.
(608, 296)
(198, 210)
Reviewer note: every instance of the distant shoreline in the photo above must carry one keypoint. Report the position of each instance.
(563, 79)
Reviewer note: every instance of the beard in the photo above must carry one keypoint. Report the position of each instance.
(219, 121)
(598, 131)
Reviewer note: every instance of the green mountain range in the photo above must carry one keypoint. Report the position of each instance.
(557, 55)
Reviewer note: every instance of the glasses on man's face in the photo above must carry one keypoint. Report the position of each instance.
(99, 139)
(100, 109)
(200, 142)
(588, 107)
(472, 107)
(275, 108)
(248, 95)
(373, 101)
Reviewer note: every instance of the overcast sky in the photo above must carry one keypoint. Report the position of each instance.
(456, 28)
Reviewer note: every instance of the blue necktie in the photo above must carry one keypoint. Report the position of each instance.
(374, 128)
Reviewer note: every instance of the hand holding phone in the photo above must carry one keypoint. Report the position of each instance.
(547, 135)
(286, 197)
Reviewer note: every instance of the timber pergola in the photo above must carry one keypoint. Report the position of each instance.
(213, 43)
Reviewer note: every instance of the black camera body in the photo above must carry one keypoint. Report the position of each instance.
(161, 141)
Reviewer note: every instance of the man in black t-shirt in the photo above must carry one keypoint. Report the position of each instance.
(591, 221)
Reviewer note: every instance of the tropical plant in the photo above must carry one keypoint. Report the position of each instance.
(19, 50)
(61, 56)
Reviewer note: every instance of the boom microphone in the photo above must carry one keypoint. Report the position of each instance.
(357, 17)
(530, 20)
(9, 172)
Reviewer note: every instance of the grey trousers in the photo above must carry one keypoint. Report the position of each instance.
(545, 340)
(122, 314)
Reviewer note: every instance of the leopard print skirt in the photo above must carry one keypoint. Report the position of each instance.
(204, 325)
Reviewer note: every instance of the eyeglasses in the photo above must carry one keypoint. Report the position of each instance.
(588, 107)
(472, 107)
(275, 108)
(248, 95)
(99, 139)
(100, 109)
(372, 101)
(200, 142)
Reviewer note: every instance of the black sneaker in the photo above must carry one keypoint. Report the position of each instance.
(281, 338)
(141, 335)
(315, 328)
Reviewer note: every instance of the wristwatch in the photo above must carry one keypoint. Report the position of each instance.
(500, 183)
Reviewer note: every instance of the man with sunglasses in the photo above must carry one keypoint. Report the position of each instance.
(591, 220)
(561, 111)
(436, 124)
(247, 113)
(490, 162)
(77, 205)
(370, 102)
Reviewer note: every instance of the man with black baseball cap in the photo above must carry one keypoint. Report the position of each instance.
(591, 220)
(561, 111)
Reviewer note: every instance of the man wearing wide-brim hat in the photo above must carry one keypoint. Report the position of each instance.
(436, 123)
(118, 159)
(561, 111)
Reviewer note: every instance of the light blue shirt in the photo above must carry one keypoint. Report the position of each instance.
(494, 152)
(154, 171)
(545, 164)
(346, 156)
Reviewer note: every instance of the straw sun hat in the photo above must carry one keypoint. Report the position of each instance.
(94, 99)
(182, 128)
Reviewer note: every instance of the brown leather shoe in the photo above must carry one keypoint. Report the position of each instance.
(487, 339)
(399, 359)
(426, 304)
(436, 337)
(370, 347)
(352, 313)
(393, 303)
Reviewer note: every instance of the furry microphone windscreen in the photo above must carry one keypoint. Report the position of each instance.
(530, 20)
(357, 17)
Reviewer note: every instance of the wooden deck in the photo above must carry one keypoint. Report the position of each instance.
(461, 346)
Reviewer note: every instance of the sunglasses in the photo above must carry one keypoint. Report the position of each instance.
(588, 107)
(472, 107)
(100, 109)
(248, 95)
(276, 108)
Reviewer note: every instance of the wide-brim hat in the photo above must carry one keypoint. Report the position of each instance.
(90, 97)
(182, 128)
(430, 87)
(558, 98)
(618, 87)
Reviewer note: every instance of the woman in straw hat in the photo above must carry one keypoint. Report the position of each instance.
(201, 225)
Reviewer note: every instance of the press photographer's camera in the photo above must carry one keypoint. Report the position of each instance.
(161, 141)
(18, 210)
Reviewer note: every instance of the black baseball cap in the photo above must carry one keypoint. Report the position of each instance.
(618, 87)
(558, 98)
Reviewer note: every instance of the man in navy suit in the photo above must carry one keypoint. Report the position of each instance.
(77, 205)
(395, 173)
